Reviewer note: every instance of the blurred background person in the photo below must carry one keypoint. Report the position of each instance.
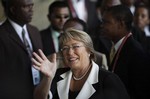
(86, 11)
(101, 43)
(17, 41)
(75, 23)
(137, 33)
(142, 18)
(130, 4)
(142, 21)
(127, 57)
(145, 2)
(58, 14)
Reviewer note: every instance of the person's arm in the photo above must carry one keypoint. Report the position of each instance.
(48, 68)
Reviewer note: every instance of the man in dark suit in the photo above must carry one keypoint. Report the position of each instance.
(130, 62)
(17, 76)
(101, 43)
(58, 14)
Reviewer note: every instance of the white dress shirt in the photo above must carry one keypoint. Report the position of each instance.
(18, 29)
(55, 36)
(80, 8)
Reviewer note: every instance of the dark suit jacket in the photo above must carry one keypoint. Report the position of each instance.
(47, 40)
(132, 67)
(103, 45)
(148, 44)
(100, 84)
(15, 65)
(92, 20)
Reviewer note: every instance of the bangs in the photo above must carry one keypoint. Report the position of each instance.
(72, 34)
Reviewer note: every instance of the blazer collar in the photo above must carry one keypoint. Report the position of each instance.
(87, 90)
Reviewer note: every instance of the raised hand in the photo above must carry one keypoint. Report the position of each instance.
(41, 63)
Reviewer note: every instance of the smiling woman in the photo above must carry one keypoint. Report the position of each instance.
(83, 79)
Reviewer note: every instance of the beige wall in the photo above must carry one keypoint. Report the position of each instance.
(2, 15)
(40, 13)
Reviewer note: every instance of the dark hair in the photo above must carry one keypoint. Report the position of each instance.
(78, 21)
(57, 4)
(7, 4)
(122, 13)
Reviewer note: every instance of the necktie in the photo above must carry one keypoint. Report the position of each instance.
(26, 43)
(35, 73)
(112, 53)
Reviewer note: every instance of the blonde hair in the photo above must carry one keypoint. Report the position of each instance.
(78, 35)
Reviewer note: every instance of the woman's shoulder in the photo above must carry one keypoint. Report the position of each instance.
(103, 74)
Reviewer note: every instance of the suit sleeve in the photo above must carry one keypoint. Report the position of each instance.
(114, 88)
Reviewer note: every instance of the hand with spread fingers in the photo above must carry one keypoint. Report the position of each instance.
(41, 63)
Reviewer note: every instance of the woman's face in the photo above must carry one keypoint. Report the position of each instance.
(75, 54)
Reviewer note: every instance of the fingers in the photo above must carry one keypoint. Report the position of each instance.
(35, 62)
(42, 54)
(38, 58)
(36, 67)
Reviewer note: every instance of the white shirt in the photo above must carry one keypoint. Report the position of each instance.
(18, 29)
(55, 36)
(147, 31)
(80, 9)
(117, 45)
(132, 9)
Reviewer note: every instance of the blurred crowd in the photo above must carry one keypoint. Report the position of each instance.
(119, 30)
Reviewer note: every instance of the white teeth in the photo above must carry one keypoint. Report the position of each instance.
(72, 59)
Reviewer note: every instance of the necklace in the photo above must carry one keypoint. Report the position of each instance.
(75, 78)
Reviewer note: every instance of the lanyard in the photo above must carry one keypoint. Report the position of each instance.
(117, 55)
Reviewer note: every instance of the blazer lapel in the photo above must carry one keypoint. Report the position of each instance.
(32, 34)
(88, 90)
(64, 84)
(13, 35)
